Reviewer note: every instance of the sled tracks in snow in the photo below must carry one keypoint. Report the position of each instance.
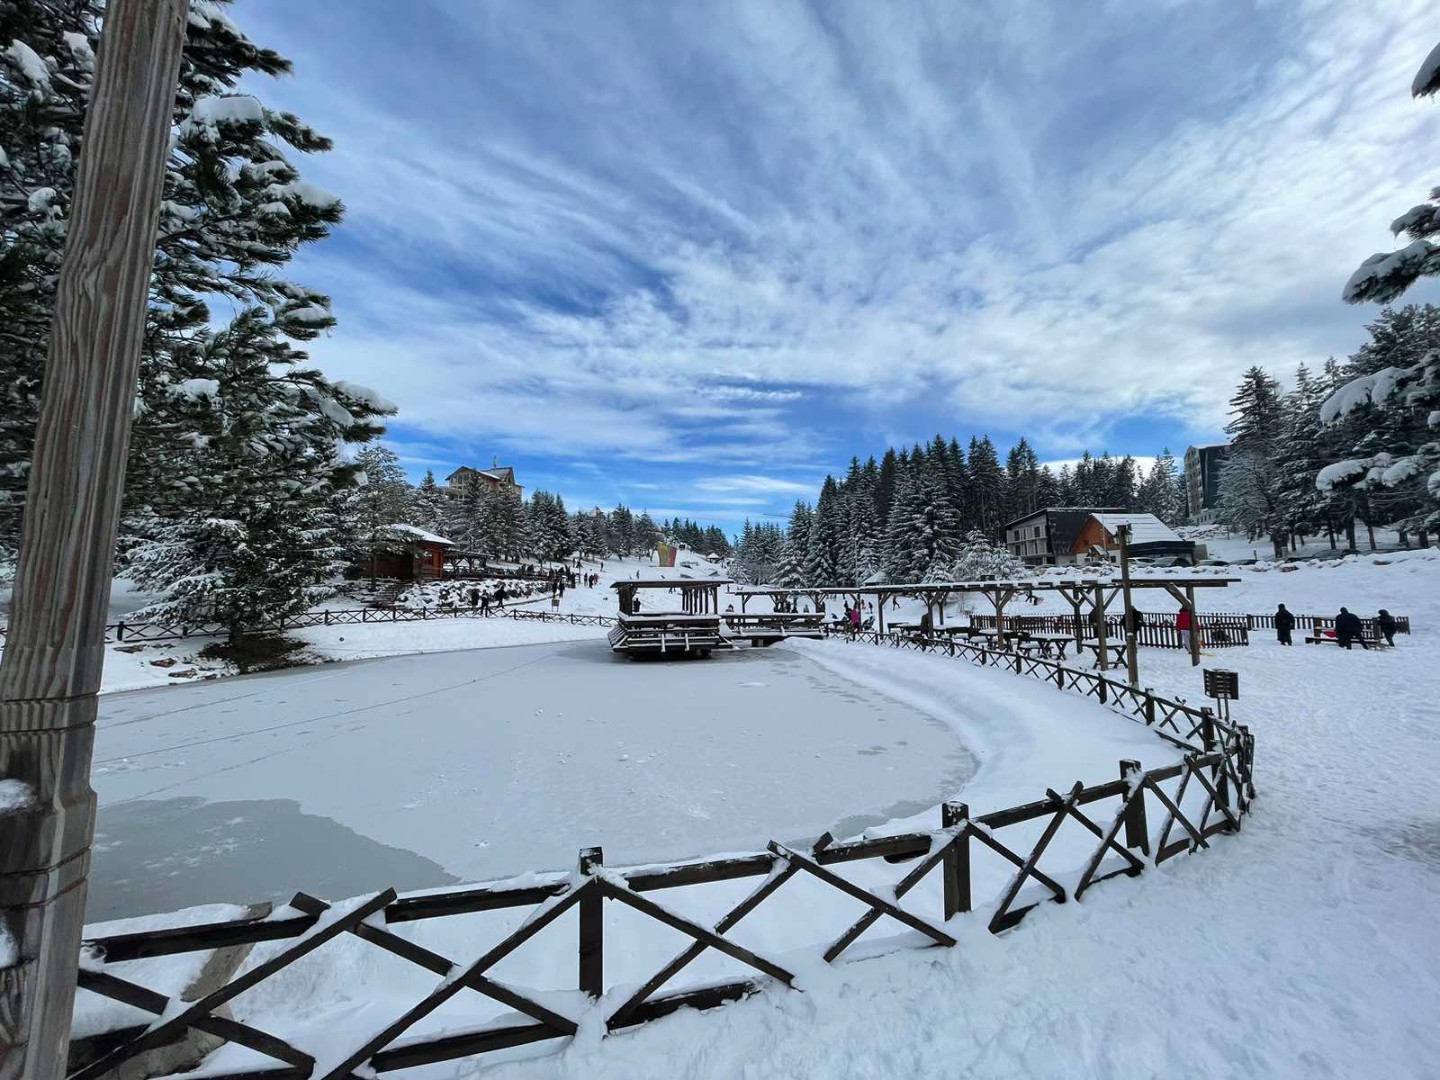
(1127, 826)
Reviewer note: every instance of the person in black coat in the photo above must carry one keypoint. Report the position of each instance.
(1284, 623)
(1386, 622)
(1348, 629)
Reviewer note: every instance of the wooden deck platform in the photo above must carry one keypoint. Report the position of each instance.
(667, 634)
(768, 627)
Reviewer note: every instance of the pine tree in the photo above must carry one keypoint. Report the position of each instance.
(918, 543)
(381, 499)
(986, 484)
(826, 526)
(979, 558)
(234, 208)
(791, 572)
(1385, 277)
(263, 486)
(1159, 492)
(427, 508)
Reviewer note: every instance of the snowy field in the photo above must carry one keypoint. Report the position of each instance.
(1304, 947)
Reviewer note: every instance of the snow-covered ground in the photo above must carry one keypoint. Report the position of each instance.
(1304, 947)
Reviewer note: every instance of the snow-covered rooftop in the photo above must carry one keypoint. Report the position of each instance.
(412, 532)
(1144, 528)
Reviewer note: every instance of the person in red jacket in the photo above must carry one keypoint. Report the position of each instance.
(1182, 623)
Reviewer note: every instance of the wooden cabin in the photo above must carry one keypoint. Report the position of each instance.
(1150, 538)
(408, 553)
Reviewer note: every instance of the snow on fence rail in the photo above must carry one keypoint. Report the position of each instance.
(169, 631)
(1156, 631)
(1210, 781)
(1174, 721)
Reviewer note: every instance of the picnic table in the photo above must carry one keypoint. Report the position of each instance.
(1050, 643)
(1114, 648)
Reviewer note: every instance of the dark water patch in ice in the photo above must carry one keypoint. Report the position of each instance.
(162, 854)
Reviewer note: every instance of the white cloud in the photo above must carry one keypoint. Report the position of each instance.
(685, 235)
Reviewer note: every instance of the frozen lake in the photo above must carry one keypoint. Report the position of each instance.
(426, 770)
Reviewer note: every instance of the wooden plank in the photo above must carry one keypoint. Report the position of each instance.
(161, 1032)
(708, 997)
(695, 930)
(466, 1044)
(625, 1014)
(957, 860)
(464, 901)
(864, 895)
(119, 948)
(142, 997)
(1028, 869)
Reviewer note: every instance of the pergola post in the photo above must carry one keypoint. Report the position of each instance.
(880, 610)
(1097, 619)
(1132, 659)
(1194, 626)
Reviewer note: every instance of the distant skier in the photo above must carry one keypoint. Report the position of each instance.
(1348, 629)
(1284, 623)
(1386, 622)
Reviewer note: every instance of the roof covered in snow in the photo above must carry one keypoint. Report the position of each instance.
(412, 532)
(1144, 528)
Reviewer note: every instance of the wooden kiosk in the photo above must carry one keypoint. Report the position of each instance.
(648, 625)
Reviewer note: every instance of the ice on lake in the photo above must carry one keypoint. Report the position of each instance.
(423, 770)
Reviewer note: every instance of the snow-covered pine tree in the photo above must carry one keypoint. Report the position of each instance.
(1385, 276)
(1022, 470)
(1159, 492)
(428, 505)
(986, 484)
(826, 525)
(380, 500)
(979, 558)
(919, 545)
(265, 526)
(791, 572)
(234, 206)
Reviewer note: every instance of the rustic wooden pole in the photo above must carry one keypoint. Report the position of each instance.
(956, 866)
(1137, 831)
(1194, 626)
(1132, 658)
(50, 672)
(592, 930)
(1102, 631)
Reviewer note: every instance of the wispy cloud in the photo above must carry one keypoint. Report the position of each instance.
(756, 236)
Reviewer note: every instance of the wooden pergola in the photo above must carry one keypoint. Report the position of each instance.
(1088, 598)
(698, 596)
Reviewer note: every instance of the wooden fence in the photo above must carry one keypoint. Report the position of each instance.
(1137, 822)
(1174, 721)
(1156, 631)
(135, 632)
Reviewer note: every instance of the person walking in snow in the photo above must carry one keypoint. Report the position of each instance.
(855, 620)
(1183, 622)
(485, 604)
(1386, 622)
(1284, 623)
(1348, 629)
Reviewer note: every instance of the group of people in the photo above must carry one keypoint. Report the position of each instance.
(1348, 627)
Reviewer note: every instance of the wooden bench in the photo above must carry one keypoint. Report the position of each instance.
(1366, 640)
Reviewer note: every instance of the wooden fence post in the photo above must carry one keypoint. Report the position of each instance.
(592, 929)
(1137, 830)
(1149, 705)
(956, 867)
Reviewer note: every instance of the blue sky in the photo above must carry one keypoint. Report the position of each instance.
(692, 256)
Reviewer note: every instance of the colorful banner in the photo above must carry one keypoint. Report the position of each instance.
(666, 553)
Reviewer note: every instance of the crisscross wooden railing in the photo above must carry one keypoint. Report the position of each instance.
(1135, 822)
(1174, 721)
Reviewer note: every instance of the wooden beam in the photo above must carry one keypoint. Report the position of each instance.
(50, 671)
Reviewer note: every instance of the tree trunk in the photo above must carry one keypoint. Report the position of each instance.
(1350, 543)
(1370, 529)
(1330, 532)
